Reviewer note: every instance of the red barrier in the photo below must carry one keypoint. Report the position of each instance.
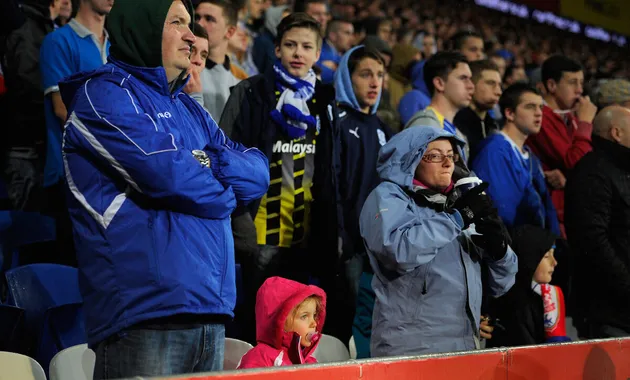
(591, 360)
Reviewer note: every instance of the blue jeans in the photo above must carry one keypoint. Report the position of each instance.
(145, 352)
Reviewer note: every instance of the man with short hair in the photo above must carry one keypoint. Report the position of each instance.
(293, 118)
(380, 27)
(198, 58)
(199, 51)
(80, 45)
(598, 227)
(470, 44)
(317, 9)
(152, 182)
(339, 39)
(475, 121)
(499, 60)
(565, 136)
(429, 46)
(614, 92)
(255, 10)
(517, 183)
(23, 156)
(219, 18)
(514, 74)
(448, 79)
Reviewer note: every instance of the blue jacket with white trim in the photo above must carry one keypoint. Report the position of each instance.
(151, 223)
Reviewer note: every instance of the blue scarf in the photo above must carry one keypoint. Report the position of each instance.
(291, 111)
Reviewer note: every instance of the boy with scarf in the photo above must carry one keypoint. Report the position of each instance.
(358, 85)
(533, 311)
(291, 117)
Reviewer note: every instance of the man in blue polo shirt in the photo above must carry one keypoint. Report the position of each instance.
(339, 39)
(80, 45)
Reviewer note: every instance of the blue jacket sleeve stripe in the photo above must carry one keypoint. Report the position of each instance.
(78, 124)
(132, 102)
(105, 219)
(123, 133)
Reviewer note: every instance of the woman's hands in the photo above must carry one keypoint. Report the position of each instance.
(474, 205)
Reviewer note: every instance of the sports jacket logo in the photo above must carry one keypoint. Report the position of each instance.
(354, 132)
(295, 148)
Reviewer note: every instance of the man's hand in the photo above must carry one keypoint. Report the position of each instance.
(556, 179)
(194, 83)
(485, 330)
(585, 109)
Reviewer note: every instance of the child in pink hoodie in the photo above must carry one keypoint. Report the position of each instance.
(289, 321)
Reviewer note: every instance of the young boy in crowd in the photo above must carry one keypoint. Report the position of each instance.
(289, 320)
(533, 311)
(219, 18)
(358, 85)
(292, 118)
(517, 182)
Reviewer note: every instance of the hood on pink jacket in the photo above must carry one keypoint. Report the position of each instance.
(274, 301)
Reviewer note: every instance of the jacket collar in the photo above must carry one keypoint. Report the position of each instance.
(619, 154)
(153, 77)
(226, 64)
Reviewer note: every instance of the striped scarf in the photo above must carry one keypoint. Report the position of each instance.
(291, 111)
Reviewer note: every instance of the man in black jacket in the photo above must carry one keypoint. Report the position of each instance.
(597, 217)
(22, 167)
(475, 121)
(294, 230)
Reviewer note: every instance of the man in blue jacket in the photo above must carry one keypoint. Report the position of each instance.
(517, 183)
(152, 182)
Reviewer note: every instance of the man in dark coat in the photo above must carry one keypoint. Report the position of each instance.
(597, 202)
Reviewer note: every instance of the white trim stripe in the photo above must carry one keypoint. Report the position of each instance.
(74, 120)
(174, 149)
(111, 211)
(132, 102)
(153, 121)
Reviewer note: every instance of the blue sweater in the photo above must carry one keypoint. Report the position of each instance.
(517, 183)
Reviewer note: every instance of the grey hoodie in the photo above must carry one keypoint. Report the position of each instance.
(273, 16)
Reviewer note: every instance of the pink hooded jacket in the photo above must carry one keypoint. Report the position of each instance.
(274, 301)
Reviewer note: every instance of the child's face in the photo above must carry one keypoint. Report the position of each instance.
(304, 321)
(367, 81)
(298, 51)
(545, 268)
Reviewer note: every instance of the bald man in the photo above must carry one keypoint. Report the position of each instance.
(597, 207)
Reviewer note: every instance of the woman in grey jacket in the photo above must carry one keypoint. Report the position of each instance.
(427, 243)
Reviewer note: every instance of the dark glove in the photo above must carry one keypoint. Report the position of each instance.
(494, 238)
(474, 205)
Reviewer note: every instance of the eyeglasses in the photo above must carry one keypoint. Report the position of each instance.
(438, 158)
